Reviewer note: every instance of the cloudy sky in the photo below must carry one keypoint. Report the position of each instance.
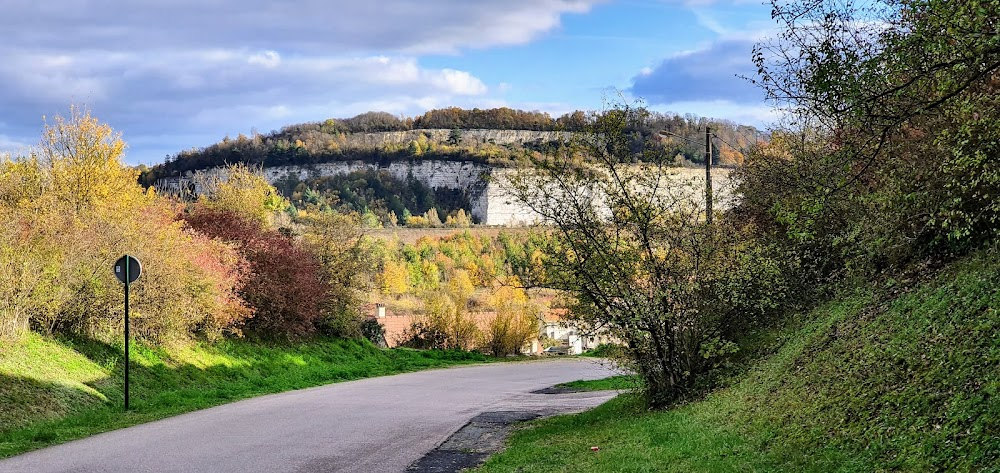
(177, 74)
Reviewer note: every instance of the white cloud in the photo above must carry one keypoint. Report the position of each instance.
(163, 69)
(268, 59)
(225, 91)
(10, 145)
(458, 82)
(759, 115)
(705, 19)
(303, 25)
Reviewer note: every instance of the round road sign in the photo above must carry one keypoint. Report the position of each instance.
(127, 269)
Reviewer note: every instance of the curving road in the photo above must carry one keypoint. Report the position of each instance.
(371, 425)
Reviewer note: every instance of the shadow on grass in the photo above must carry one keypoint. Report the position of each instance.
(25, 401)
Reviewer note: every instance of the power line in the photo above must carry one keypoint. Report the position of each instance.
(728, 143)
(689, 140)
(737, 148)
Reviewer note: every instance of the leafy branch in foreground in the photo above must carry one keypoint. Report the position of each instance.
(630, 247)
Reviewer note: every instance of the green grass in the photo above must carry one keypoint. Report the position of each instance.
(620, 382)
(864, 383)
(604, 350)
(52, 391)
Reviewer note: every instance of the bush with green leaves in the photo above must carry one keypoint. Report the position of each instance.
(890, 154)
(630, 247)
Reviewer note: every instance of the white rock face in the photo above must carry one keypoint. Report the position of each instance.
(491, 205)
(688, 185)
(465, 175)
(433, 174)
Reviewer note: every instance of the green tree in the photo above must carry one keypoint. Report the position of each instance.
(346, 259)
(628, 245)
(455, 137)
(890, 155)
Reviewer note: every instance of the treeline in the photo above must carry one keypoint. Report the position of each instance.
(315, 148)
(430, 263)
(380, 199)
(330, 140)
(445, 280)
(502, 118)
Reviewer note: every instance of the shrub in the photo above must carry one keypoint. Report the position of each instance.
(68, 211)
(515, 322)
(373, 331)
(632, 257)
(243, 191)
(346, 258)
(444, 324)
(284, 282)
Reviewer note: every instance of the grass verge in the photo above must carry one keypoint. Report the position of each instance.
(52, 391)
(864, 383)
(620, 382)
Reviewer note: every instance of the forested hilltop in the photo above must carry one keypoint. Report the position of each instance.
(496, 136)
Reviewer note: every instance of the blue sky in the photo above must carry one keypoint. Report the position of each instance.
(177, 74)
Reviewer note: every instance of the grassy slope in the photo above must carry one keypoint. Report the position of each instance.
(910, 384)
(52, 391)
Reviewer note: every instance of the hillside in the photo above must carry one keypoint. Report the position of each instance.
(493, 136)
(394, 171)
(902, 376)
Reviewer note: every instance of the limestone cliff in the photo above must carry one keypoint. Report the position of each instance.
(490, 204)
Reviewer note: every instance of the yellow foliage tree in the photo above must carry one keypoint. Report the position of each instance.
(68, 210)
(82, 166)
(444, 323)
(244, 191)
(728, 155)
(430, 274)
(515, 322)
(461, 287)
(395, 279)
(20, 181)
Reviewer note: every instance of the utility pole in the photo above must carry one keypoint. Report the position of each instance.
(708, 175)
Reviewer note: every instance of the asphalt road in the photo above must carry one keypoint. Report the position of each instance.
(371, 425)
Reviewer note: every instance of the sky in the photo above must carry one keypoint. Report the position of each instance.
(180, 74)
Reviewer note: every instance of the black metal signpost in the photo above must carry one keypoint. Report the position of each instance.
(127, 270)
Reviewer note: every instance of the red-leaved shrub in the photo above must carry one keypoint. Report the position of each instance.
(284, 282)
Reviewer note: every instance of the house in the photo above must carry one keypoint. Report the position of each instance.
(558, 327)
